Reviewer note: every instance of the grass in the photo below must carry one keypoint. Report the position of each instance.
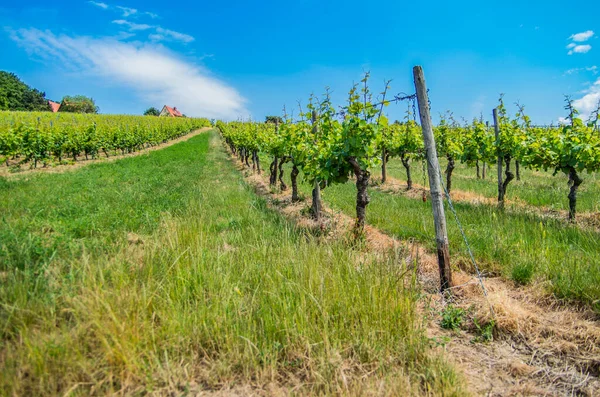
(536, 188)
(564, 255)
(519, 246)
(214, 290)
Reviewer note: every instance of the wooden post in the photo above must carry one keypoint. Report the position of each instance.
(316, 192)
(500, 185)
(433, 170)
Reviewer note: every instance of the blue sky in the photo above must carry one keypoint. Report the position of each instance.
(240, 58)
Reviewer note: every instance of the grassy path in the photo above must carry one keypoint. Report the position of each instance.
(166, 274)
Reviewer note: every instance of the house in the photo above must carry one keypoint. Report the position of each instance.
(170, 112)
(54, 106)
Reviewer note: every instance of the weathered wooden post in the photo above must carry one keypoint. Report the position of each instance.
(433, 170)
(316, 192)
(500, 183)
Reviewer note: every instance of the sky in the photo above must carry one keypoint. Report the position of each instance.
(242, 59)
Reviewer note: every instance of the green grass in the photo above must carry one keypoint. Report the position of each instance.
(220, 292)
(518, 246)
(537, 188)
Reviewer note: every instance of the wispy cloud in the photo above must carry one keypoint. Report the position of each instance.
(593, 69)
(98, 4)
(127, 11)
(161, 34)
(157, 75)
(124, 11)
(578, 48)
(166, 34)
(583, 36)
(132, 25)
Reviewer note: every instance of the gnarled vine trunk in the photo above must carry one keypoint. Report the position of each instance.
(256, 160)
(282, 184)
(315, 209)
(518, 170)
(477, 168)
(449, 170)
(273, 169)
(574, 181)
(383, 166)
(406, 164)
(294, 177)
(362, 196)
(509, 176)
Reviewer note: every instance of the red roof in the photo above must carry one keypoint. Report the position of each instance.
(173, 111)
(54, 106)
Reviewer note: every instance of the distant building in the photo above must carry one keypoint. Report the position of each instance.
(170, 112)
(54, 106)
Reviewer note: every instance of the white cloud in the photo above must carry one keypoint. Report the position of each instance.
(589, 101)
(160, 34)
(132, 26)
(593, 69)
(157, 75)
(579, 49)
(151, 15)
(127, 11)
(583, 36)
(97, 4)
(166, 33)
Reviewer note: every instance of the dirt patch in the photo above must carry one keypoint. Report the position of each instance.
(533, 346)
(82, 162)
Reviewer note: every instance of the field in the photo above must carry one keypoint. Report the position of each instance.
(181, 271)
(166, 274)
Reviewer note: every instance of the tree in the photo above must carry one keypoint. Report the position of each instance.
(152, 111)
(16, 95)
(273, 119)
(78, 104)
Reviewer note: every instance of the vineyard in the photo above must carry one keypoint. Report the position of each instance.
(42, 138)
(299, 256)
(329, 146)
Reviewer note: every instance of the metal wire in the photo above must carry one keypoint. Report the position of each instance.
(466, 240)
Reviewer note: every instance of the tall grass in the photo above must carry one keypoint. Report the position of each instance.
(215, 291)
(511, 244)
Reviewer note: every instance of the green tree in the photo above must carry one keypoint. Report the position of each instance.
(273, 119)
(152, 111)
(78, 104)
(16, 95)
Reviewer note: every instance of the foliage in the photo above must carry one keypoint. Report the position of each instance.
(152, 111)
(78, 104)
(485, 331)
(16, 95)
(452, 317)
(46, 137)
(573, 145)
